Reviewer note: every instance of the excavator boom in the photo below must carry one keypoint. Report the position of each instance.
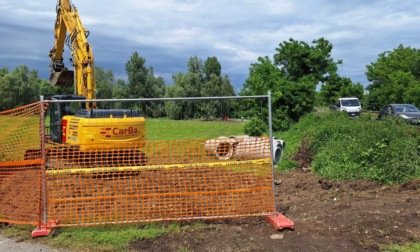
(70, 31)
(78, 130)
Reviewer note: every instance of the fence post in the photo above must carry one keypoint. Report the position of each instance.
(44, 228)
(270, 135)
(278, 221)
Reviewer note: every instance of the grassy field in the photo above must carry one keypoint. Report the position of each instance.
(157, 129)
(165, 129)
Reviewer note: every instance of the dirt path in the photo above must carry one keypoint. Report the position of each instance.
(328, 216)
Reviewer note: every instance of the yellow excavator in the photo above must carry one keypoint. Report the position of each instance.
(78, 127)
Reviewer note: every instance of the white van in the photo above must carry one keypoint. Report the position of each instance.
(349, 104)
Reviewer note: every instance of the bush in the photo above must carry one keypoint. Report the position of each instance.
(343, 148)
(255, 127)
(281, 121)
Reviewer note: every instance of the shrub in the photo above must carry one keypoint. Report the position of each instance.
(255, 127)
(343, 148)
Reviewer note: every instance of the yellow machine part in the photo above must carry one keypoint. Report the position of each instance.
(104, 133)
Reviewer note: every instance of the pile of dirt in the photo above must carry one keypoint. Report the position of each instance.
(328, 216)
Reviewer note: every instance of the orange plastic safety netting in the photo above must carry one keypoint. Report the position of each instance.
(172, 180)
(20, 178)
(125, 182)
(20, 130)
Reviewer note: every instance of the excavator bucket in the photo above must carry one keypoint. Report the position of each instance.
(65, 78)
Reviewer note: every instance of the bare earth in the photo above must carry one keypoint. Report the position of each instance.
(328, 216)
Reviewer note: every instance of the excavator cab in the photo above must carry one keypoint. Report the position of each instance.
(58, 110)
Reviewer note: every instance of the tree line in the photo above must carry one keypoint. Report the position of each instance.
(292, 75)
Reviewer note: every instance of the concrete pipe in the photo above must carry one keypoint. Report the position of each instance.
(252, 148)
(222, 147)
(224, 150)
(278, 149)
(240, 138)
(211, 145)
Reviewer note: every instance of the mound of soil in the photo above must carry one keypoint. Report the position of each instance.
(328, 216)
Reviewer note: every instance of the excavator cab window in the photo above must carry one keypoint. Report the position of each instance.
(58, 110)
(55, 122)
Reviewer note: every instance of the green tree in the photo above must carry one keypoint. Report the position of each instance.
(120, 90)
(216, 85)
(202, 79)
(292, 78)
(105, 83)
(394, 77)
(297, 59)
(3, 71)
(194, 78)
(173, 109)
(185, 85)
(139, 85)
(46, 89)
(264, 76)
(142, 83)
(19, 87)
(212, 67)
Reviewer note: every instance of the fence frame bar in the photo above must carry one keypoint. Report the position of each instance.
(167, 99)
(45, 225)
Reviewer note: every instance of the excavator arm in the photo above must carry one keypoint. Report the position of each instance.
(69, 30)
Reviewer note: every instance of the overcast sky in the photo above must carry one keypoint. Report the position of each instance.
(168, 32)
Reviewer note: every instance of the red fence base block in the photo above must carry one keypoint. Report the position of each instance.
(41, 231)
(279, 221)
(44, 230)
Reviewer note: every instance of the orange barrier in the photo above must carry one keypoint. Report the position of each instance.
(143, 182)
(21, 180)
(159, 192)
(178, 182)
(20, 193)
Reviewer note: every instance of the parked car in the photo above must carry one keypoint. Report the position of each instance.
(351, 105)
(408, 112)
